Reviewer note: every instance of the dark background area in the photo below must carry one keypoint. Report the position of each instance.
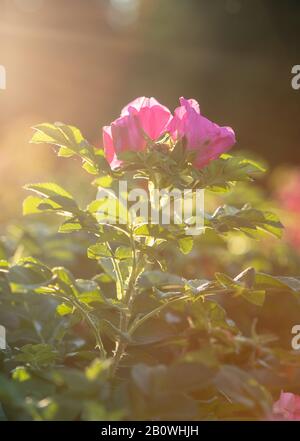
(80, 61)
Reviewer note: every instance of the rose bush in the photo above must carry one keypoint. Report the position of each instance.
(107, 321)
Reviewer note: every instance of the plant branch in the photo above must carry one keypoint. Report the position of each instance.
(126, 316)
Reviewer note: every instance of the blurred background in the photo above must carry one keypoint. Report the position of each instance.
(81, 61)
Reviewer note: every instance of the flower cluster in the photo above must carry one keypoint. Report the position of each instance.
(145, 119)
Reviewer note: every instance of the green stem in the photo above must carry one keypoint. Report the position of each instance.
(155, 311)
(125, 316)
(117, 271)
(93, 326)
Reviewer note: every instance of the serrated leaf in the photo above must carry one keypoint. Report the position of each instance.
(49, 189)
(70, 225)
(98, 250)
(151, 279)
(246, 219)
(35, 204)
(53, 195)
(38, 355)
(220, 173)
(70, 141)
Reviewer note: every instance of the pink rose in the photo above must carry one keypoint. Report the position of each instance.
(287, 407)
(142, 118)
(203, 136)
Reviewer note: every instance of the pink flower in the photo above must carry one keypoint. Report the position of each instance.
(142, 118)
(287, 407)
(203, 136)
(289, 192)
(292, 235)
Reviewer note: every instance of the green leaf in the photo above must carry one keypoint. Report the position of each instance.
(267, 281)
(188, 377)
(279, 283)
(186, 244)
(243, 285)
(257, 297)
(48, 189)
(292, 282)
(90, 168)
(65, 152)
(65, 281)
(59, 134)
(52, 194)
(209, 315)
(20, 373)
(246, 219)
(70, 225)
(71, 142)
(64, 309)
(89, 291)
(110, 208)
(29, 273)
(104, 181)
(98, 250)
(241, 387)
(123, 253)
(226, 281)
(35, 204)
(151, 279)
(222, 172)
(4, 266)
(97, 368)
(40, 355)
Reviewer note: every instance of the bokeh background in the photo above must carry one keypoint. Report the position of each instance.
(80, 61)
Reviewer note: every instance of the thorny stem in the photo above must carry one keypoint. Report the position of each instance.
(126, 316)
